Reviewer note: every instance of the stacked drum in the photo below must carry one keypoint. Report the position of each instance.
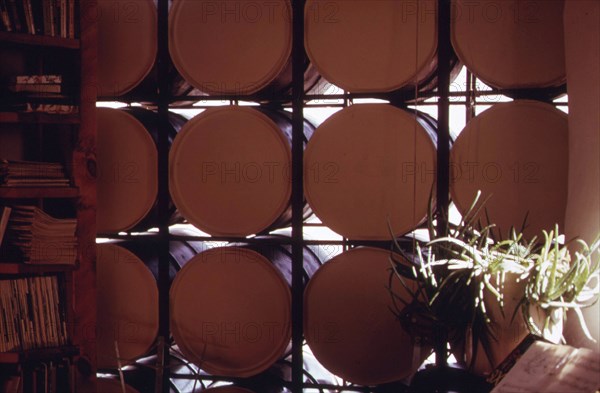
(369, 171)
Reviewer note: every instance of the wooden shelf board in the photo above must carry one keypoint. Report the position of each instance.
(39, 40)
(38, 117)
(37, 354)
(39, 192)
(23, 268)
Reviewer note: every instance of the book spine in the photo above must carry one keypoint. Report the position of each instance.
(4, 15)
(46, 11)
(4, 337)
(71, 19)
(63, 18)
(14, 15)
(29, 16)
(38, 79)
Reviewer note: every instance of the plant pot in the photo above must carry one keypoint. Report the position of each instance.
(507, 332)
(552, 332)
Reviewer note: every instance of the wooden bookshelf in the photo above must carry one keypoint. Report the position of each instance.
(72, 136)
(39, 40)
(43, 354)
(23, 268)
(38, 118)
(38, 192)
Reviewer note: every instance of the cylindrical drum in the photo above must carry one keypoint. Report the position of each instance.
(127, 296)
(371, 46)
(230, 312)
(229, 170)
(516, 154)
(127, 168)
(278, 249)
(348, 319)
(369, 165)
(127, 44)
(511, 44)
(127, 306)
(251, 55)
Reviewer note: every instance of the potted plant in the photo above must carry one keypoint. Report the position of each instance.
(473, 290)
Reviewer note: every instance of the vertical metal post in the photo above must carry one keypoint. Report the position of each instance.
(162, 382)
(443, 148)
(297, 191)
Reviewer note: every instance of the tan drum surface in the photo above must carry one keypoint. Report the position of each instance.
(230, 312)
(127, 306)
(369, 46)
(348, 322)
(127, 182)
(366, 164)
(230, 47)
(127, 44)
(511, 44)
(229, 171)
(517, 154)
(104, 385)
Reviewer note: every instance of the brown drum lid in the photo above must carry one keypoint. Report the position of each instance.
(370, 46)
(229, 171)
(127, 306)
(367, 164)
(511, 44)
(517, 154)
(230, 312)
(230, 47)
(127, 163)
(127, 44)
(348, 322)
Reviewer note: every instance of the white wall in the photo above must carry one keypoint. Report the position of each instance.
(582, 46)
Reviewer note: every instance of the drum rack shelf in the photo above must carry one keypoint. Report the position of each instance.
(297, 101)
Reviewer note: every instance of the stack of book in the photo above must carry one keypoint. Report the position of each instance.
(55, 18)
(32, 174)
(42, 239)
(32, 314)
(37, 84)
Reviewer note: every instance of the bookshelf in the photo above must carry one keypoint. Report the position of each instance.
(68, 139)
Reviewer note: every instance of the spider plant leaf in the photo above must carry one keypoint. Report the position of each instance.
(583, 325)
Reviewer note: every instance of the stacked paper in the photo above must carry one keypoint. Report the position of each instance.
(41, 238)
(32, 174)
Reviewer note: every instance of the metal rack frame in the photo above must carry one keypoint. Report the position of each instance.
(297, 100)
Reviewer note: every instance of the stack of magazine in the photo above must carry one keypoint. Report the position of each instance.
(32, 314)
(32, 174)
(42, 239)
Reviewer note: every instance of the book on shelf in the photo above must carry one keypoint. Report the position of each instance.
(33, 314)
(38, 88)
(37, 85)
(48, 13)
(15, 12)
(41, 238)
(32, 174)
(5, 16)
(54, 18)
(29, 22)
(4, 217)
(37, 79)
(53, 109)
